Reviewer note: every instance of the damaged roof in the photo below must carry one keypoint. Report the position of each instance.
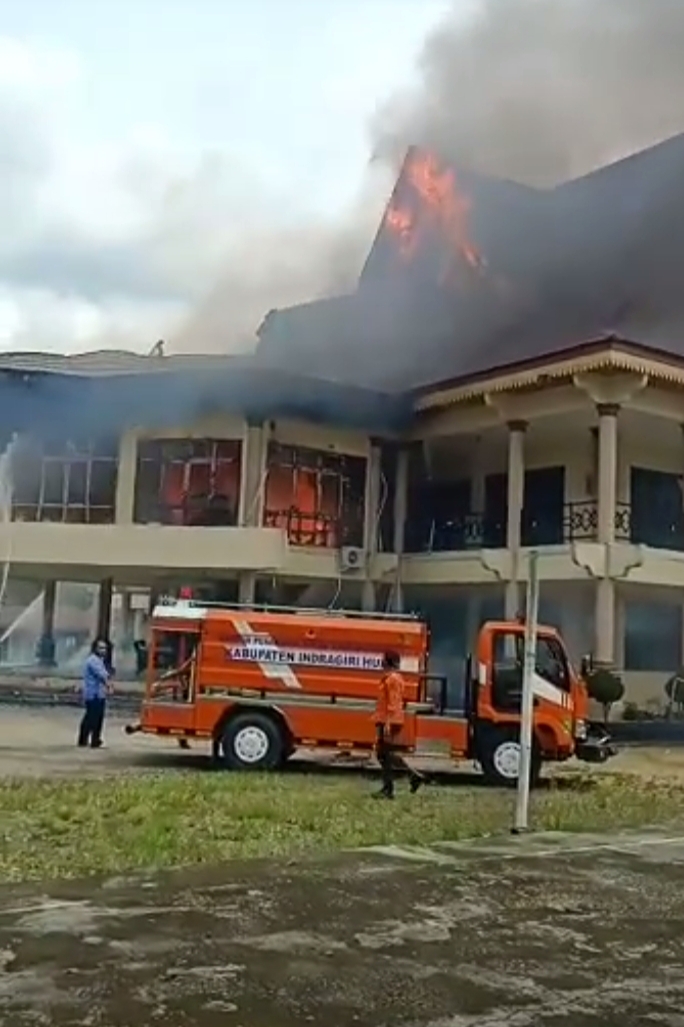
(108, 391)
(596, 255)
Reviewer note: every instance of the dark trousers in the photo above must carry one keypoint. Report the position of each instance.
(90, 731)
(390, 761)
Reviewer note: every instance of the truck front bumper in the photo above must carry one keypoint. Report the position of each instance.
(597, 747)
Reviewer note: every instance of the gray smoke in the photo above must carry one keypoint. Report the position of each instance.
(532, 90)
(283, 267)
(542, 90)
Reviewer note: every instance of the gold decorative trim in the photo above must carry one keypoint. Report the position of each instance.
(611, 359)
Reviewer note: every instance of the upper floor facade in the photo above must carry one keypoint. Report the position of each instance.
(581, 458)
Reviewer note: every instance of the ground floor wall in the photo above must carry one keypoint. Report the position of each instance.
(648, 623)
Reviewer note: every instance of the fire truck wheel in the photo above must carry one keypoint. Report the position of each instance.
(252, 741)
(500, 760)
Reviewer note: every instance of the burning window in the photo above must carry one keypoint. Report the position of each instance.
(69, 482)
(193, 482)
(316, 496)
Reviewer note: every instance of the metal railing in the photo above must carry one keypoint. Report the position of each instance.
(457, 534)
(581, 522)
(319, 530)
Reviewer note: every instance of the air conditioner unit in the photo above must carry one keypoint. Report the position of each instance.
(352, 558)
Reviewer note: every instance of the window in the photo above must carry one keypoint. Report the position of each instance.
(72, 482)
(188, 482)
(657, 517)
(317, 497)
(507, 671)
(173, 664)
(653, 636)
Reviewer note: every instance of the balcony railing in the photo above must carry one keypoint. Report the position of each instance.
(315, 529)
(469, 531)
(488, 531)
(214, 511)
(581, 522)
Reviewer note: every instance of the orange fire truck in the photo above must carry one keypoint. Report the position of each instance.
(262, 683)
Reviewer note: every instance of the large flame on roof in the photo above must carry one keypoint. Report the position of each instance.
(433, 203)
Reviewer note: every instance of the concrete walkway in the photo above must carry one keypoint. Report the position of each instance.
(545, 931)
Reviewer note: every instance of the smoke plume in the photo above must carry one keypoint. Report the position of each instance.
(543, 90)
(277, 268)
(537, 91)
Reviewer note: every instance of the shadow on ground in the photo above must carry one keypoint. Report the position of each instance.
(324, 766)
(539, 931)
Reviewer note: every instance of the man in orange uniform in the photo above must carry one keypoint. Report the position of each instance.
(389, 720)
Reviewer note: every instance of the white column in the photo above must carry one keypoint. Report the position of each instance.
(104, 608)
(127, 619)
(126, 473)
(516, 495)
(253, 476)
(46, 645)
(400, 511)
(620, 622)
(370, 532)
(252, 491)
(372, 504)
(607, 472)
(604, 645)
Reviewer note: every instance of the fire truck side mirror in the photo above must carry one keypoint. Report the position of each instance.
(586, 666)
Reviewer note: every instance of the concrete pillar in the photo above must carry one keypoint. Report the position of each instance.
(104, 608)
(371, 526)
(252, 492)
(620, 623)
(516, 496)
(253, 475)
(372, 500)
(607, 472)
(604, 645)
(155, 592)
(400, 512)
(46, 643)
(368, 596)
(473, 616)
(127, 619)
(247, 588)
(127, 469)
(139, 623)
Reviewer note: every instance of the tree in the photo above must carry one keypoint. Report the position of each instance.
(606, 688)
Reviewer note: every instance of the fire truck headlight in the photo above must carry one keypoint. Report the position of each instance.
(580, 730)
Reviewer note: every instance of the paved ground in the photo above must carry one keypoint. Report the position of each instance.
(544, 930)
(40, 742)
(537, 932)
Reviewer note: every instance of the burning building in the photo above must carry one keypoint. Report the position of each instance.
(508, 374)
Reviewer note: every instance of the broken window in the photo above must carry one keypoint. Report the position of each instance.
(192, 482)
(316, 496)
(67, 482)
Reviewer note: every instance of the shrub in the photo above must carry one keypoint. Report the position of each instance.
(605, 687)
(674, 689)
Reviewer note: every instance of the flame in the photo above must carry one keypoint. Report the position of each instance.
(402, 223)
(442, 205)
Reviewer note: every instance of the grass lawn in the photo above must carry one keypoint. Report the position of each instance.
(72, 828)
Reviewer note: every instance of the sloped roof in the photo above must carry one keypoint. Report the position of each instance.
(599, 254)
(39, 392)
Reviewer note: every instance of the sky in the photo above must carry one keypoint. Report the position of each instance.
(142, 141)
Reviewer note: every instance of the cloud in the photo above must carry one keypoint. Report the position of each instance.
(120, 240)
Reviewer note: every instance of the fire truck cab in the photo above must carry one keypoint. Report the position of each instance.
(259, 684)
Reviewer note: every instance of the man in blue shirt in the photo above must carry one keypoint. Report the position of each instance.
(96, 687)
